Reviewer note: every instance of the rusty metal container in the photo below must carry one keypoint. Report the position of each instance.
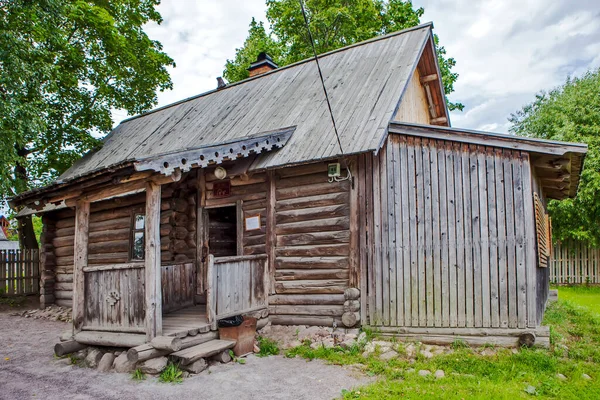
(242, 334)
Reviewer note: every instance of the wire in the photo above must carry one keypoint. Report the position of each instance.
(312, 43)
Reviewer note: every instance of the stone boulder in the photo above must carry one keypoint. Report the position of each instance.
(154, 366)
(196, 367)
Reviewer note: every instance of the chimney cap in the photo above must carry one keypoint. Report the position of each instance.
(262, 60)
(220, 83)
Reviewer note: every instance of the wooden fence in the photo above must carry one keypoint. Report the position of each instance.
(19, 272)
(574, 263)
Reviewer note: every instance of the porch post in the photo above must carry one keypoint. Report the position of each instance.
(152, 262)
(82, 217)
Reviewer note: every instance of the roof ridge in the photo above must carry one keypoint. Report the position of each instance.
(358, 44)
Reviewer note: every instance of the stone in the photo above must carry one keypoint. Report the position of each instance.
(154, 366)
(561, 377)
(328, 343)
(354, 332)
(488, 352)
(370, 347)
(424, 372)
(196, 367)
(426, 354)
(311, 333)
(439, 374)
(294, 343)
(106, 362)
(388, 355)
(362, 338)
(122, 364)
(185, 374)
(81, 354)
(64, 361)
(410, 350)
(346, 344)
(93, 358)
(382, 344)
(586, 377)
(410, 370)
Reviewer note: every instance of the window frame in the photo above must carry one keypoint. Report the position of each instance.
(132, 233)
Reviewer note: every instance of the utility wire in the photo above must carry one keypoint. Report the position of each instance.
(312, 43)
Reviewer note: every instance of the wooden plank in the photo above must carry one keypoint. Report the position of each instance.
(204, 350)
(521, 276)
(81, 259)
(530, 263)
(377, 283)
(397, 284)
(468, 239)
(389, 237)
(452, 221)
(153, 262)
(493, 222)
(407, 213)
(436, 176)
(476, 231)
(485, 242)
(362, 235)
(511, 261)
(369, 187)
(502, 242)
(443, 294)
(239, 227)
(415, 218)
(354, 255)
(427, 243)
(460, 241)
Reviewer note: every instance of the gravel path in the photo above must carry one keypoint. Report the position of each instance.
(28, 370)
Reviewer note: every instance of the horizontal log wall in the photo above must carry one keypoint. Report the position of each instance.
(454, 244)
(312, 246)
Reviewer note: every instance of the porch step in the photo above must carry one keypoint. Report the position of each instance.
(203, 350)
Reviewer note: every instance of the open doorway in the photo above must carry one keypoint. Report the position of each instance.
(222, 231)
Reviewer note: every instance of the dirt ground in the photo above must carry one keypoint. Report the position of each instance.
(28, 370)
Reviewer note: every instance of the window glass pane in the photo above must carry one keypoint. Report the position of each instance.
(140, 220)
(137, 253)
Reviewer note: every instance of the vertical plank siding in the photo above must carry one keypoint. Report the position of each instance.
(177, 286)
(19, 272)
(461, 253)
(574, 262)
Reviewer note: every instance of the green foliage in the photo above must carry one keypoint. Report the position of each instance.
(570, 113)
(38, 226)
(64, 64)
(333, 24)
(268, 347)
(469, 375)
(171, 374)
(138, 375)
(459, 344)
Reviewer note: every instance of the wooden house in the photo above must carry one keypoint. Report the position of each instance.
(241, 200)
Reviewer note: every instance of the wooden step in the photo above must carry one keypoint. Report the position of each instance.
(188, 356)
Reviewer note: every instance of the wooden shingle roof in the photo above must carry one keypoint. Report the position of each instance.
(364, 81)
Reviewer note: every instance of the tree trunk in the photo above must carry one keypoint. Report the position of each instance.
(27, 239)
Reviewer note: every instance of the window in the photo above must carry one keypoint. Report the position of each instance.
(137, 237)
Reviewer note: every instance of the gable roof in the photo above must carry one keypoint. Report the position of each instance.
(365, 82)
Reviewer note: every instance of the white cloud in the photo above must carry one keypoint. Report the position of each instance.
(506, 50)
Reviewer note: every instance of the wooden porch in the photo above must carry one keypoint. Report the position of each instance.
(186, 322)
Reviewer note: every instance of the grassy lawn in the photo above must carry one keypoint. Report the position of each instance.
(527, 373)
(584, 296)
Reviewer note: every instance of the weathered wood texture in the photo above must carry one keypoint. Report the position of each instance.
(178, 286)
(239, 285)
(114, 299)
(312, 238)
(462, 256)
(574, 263)
(19, 272)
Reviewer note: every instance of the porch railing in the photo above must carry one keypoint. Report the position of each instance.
(19, 272)
(236, 285)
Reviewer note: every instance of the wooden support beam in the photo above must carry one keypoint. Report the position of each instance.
(240, 227)
(152, 262)
(429, 78)
(82, 219)
(353, 258)
(201, 243)
(439, 121)
(271, 239)
(211, 293)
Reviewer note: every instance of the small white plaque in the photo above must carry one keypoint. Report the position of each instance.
(253, 223)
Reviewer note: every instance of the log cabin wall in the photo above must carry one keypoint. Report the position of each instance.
(453, 237)
(312, 246)
(109, 236)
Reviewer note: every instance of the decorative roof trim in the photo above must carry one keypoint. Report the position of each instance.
(202, 157)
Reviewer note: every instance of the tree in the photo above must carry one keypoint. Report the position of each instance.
(64, 65)
(570, 113)
(334, 24)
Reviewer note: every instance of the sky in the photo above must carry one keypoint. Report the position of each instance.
(506, 51)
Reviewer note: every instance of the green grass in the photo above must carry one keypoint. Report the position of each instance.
(171, 374)
(575, 350)
(267, 347)
(586, 296)
(138, 375)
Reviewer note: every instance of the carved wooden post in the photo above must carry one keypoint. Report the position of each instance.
(152, 262)
(82, 218)
(211, 292)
